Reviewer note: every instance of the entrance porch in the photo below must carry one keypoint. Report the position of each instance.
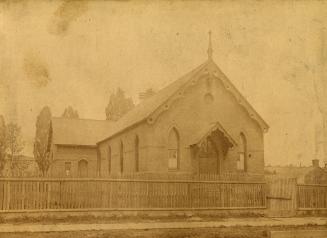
(210, 149)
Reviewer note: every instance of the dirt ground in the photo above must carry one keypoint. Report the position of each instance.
(223, 232)
(46, 219)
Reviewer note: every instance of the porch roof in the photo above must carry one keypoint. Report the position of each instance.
(201, 135)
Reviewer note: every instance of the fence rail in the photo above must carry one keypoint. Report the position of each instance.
(67, 194)
(250, 177)
(191, 176)
(312, 197)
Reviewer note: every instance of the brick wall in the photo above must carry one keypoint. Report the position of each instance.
(73, 154)
(189, 114)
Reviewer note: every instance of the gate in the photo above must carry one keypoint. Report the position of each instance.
(281, 197)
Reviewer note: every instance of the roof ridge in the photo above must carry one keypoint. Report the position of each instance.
(167, 85)
(77, 131)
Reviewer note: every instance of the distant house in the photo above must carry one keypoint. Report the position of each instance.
(200, 123)
(304, 175)
(73, 148)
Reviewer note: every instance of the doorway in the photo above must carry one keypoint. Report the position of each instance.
(82, 168)
(209, 157)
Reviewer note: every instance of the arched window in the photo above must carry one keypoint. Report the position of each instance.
(98, 162)
(109, 159)
(82, 168)
(121, 157)
(242, 160)
(136, 150)
(173, 149)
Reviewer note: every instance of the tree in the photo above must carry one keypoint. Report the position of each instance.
(118, 105)
(70, 113)
(3, 146)
(14, 142)
(42, 140)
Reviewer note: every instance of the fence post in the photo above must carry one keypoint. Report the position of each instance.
(296, 197)
(60, 195)
(38, 200)
(266, 192)
(189, 193)
(147, 195)
(8, 195)
(49, 195)
(23, 195)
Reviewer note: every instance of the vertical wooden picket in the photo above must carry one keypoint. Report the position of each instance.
(8, 195)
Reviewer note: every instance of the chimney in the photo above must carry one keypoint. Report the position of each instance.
(315, 163)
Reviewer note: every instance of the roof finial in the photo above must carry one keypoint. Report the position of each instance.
(210, 51)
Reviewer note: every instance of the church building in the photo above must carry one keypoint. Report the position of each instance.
(199, 124)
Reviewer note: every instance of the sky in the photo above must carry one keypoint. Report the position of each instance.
(61, 53)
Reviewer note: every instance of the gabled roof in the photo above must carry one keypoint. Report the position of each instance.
(141, 111)
(145, 109)
(81, 132)
(200, 135)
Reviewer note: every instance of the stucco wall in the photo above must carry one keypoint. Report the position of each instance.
(73, 154)
(188, 115)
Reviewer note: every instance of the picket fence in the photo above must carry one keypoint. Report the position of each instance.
(125, 194)
(312, 197)
(280, 197)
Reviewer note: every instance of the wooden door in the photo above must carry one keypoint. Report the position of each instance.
(82, 168)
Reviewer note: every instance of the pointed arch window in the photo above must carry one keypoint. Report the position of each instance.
(173, 149)
(109, 159)
(136, 151)
(121, 156)
(242, 160)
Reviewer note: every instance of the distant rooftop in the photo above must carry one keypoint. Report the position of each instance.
(84, 132)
